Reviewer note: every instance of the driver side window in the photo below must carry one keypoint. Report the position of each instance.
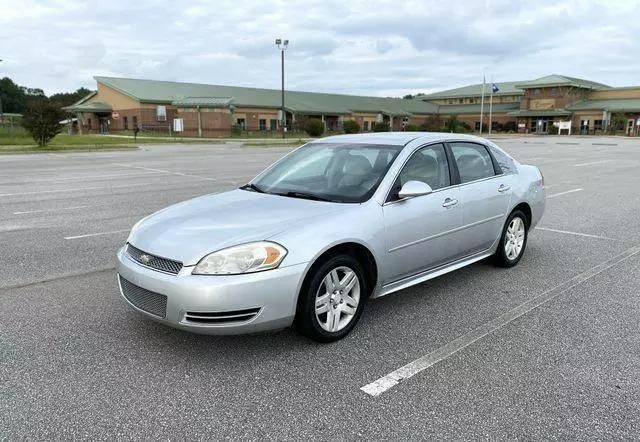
(428, 165)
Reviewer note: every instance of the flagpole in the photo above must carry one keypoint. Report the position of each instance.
(491, 105)
(482, 104)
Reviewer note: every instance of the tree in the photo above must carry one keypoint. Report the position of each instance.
(68, 98)
(351, 127)
(381, 127)
(452, 124)
(42, 121)
(314, 127)
(433, 123)
(12, 96)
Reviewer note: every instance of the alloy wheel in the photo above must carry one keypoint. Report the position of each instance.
(514, 239)
(337, 299)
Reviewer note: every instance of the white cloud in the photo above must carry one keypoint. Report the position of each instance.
(359, 47)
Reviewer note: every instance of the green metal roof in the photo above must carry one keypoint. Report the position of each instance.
(540, 113)
(475, 108)
(203, 101)
(95, 106)
(560, 80)
(621, 105)
(475, 90)
(166, 92)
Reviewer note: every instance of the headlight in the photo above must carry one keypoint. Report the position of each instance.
(245, 258)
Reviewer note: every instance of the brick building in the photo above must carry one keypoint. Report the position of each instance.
(120, 104)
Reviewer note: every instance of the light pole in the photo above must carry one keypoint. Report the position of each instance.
(282, 45)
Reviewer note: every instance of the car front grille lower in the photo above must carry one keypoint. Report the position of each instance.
(146, 300)
(222, 317)
(152, 261)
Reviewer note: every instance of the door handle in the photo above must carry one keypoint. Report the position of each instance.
(503, 188)
(449, 202)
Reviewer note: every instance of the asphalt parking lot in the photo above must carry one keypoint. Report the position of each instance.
(550, 348)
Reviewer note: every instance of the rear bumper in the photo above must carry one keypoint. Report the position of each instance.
(273, 292)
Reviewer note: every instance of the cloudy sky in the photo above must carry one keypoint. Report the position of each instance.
(384, 48)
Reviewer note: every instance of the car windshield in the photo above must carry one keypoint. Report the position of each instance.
(346, 173)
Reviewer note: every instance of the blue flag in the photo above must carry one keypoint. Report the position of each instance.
(494, 88)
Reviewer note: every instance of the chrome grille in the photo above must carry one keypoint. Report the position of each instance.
(154, 262)
(146, 300)
(222, 317)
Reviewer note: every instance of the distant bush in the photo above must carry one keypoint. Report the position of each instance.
(351, 127)
(509, 126)
(411, 128)
(552, 129)
(432, 124)
(381, 127)
(314, 127)
(236, 129)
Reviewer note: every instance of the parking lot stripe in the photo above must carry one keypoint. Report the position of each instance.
(592, 163)
(392, 379)
(166, 171)
(553, 195)
(25, 212)
(96, 234)
(587, 235)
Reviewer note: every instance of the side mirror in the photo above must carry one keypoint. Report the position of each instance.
(412, 189)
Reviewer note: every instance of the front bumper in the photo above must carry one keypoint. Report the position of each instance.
(274, 292)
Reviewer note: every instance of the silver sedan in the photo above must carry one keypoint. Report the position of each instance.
(330, 225)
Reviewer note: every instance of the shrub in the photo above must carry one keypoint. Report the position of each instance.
(351, 127)
(552, 129)
(411, 128)
(509, 126)
(314, 127)
(236, 129)
(432, 124)
(42, 121)
(381, 127)
(453, 124)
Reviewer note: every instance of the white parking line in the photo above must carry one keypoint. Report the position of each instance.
(553, 195)
(392, 379)
(96, 234)
(587, 235)
(77, 189)
(49, 210)
(592, 163)
(166, 171)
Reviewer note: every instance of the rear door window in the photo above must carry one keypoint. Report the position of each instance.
(473, 161)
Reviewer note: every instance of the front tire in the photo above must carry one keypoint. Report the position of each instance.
(513, 240)
(332, 301)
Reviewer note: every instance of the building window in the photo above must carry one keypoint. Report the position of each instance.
(472, 100)
(273, 124)
(134, 120)
(461, 100)
(450, 101)
(125, 123)
(161, 113)
(536, 92)
(365, 126)
(262, 124)
(240, 122)
(89, 123)
(554, 91)
(597, 124)
(477, 125)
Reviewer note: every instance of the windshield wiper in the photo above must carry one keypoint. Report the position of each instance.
(253, 187)
(304, 195)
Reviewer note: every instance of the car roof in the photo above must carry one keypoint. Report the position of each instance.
(398, 138)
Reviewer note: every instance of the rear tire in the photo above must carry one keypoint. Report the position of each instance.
(513, 241)
(331, 301)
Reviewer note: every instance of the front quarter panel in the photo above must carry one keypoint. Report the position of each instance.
(356, 223)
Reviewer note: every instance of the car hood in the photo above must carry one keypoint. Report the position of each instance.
(190, 230)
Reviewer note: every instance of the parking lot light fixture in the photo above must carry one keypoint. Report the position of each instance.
(282, 46)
